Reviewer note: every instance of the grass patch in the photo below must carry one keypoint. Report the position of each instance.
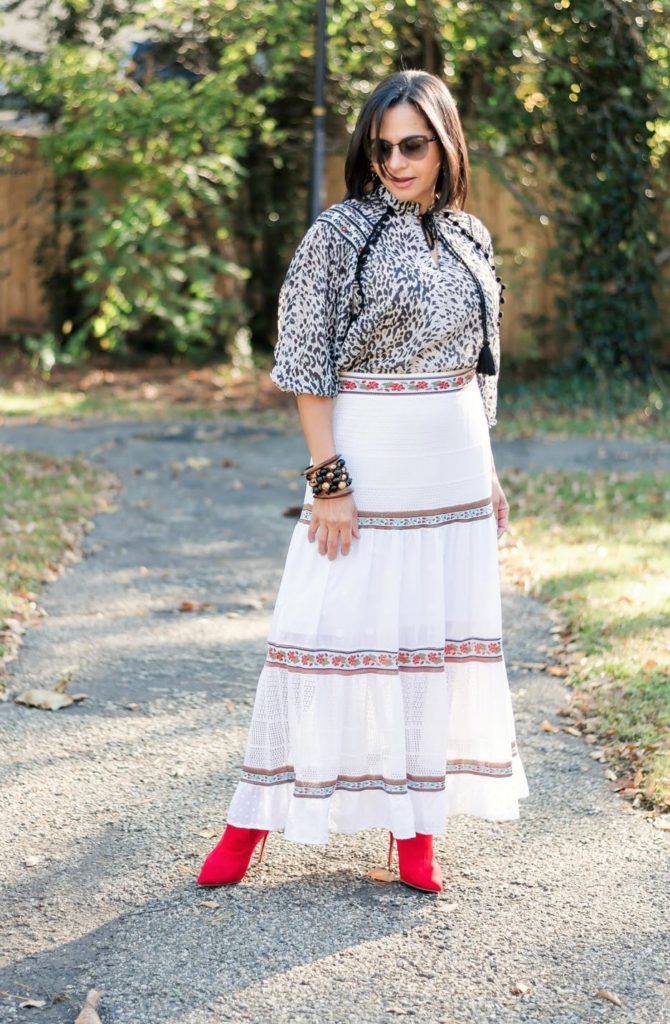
(528, 404)
(597, 546)
(614, 406)
(45, 505)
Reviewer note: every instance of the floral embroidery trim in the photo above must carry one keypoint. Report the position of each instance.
(357, 783)
(472, 512)
(351, 222)
(404, 384)
(422, 659)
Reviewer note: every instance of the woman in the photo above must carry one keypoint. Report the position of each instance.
(384, 700)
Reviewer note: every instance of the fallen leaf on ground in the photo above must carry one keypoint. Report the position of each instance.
(547, 726)
(623, 783)
(48, 700)
(31, 862)
(556, 670)
(193, 606)
(382, 875)
(611, 996)
(663, 822)
(210, 904)
(89, 1011)
(196, 462)
(207, 834)
(571, 729)
(30, 1003)
(520, 988)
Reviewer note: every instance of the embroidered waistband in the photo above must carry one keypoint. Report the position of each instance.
(405, 383)
(412, 520)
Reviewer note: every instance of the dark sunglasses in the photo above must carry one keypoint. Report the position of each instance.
(414, 147)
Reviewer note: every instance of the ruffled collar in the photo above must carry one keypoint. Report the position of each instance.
(384, 195)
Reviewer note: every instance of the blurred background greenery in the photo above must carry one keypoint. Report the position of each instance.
(157, 162)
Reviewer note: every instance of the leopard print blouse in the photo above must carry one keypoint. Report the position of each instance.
(379, 299)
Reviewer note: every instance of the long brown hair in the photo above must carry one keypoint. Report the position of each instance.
(432, 98)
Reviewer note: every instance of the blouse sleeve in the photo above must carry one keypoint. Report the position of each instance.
(307, 315)
(488, 383)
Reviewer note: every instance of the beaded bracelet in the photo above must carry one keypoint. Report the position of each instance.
(330, 479)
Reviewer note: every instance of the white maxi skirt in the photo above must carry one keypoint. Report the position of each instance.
(384, 701)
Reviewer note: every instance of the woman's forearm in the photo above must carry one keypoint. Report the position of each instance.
(316, 417)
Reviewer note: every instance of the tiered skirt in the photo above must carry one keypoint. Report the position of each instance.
(384, 701)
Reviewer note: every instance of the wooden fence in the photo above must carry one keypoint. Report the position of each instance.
(25, 220)
(528, 323)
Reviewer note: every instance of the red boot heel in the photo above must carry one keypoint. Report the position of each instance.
(230, 858)
(416, 862)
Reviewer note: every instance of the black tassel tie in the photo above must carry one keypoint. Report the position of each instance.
(486, 362)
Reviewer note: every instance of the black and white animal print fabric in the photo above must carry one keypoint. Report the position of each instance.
(399, 308)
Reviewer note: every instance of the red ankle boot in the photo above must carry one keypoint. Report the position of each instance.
(416, 862)
(230, 858)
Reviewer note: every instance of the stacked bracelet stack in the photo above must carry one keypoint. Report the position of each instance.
(330, 479)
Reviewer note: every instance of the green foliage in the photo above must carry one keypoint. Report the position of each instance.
(183, 204)
(548, 402)
(577, 92)
(146, 182)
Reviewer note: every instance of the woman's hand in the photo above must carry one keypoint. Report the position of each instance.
(500, 506)
(335, 519)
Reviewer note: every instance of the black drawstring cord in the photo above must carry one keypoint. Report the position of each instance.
(430, 231)
(363, 252)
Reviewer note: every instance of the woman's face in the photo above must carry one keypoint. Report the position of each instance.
(407, 178)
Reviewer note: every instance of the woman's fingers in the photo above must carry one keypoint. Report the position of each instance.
(345, 539)
(500, 507)
(338, 535)
(502, 516)
(324, 534)
(334, 526)
(332, 535)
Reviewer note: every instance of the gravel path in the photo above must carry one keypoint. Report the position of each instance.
(107, 810)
